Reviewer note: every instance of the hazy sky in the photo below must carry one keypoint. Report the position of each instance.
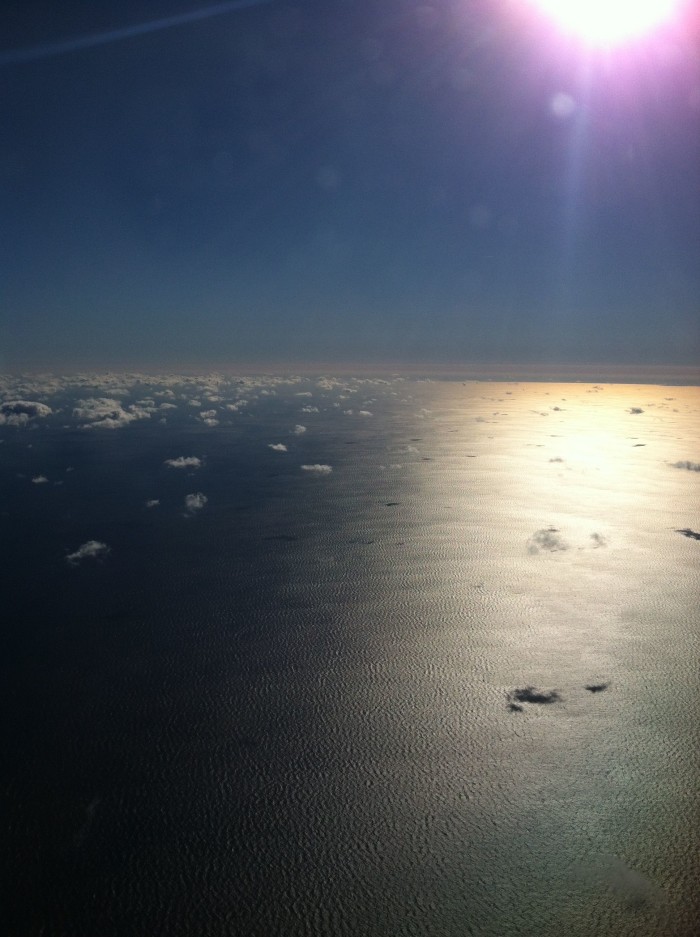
(338, 180)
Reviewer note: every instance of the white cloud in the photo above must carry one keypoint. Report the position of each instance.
(208, 417)
(195, 502)
(153, 503)
(365, 413)
(107, 413)
(21, 412)
(277, 446)
(184, 461)
(317, 469)
(92, 549)
(39, 480)
(309, 409)
(299, 429)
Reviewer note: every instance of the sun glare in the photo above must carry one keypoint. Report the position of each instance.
(608, 22)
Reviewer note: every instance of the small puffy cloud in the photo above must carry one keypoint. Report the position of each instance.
(303, 393)
(21, 412)
(208, 417)
(39, 480)
(183, 462)
(277, 446)
(365, 413)
(92, 549)
(107, 413)
(531, 694)
(299, 429)
(309, 409)
(238, 405)
(195, 502)
(317, 469)
(689, 466)
(546, 539)
(153, 503)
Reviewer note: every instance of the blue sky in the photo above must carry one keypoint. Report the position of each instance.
(329, 182)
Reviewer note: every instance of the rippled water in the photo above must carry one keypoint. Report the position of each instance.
(448, 688)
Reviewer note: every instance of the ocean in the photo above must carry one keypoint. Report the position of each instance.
(429, 666)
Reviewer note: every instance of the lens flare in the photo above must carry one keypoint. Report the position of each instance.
(608, 22)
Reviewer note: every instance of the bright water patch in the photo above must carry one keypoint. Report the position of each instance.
(447, 687)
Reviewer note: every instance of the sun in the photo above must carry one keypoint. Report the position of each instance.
(608, 23)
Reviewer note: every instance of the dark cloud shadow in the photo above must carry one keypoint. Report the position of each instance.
(546, 539)
(687, 464)
(531, 694)
(687, 532)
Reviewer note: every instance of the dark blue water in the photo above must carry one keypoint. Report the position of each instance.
(287, 713)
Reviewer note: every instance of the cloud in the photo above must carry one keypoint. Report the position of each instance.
(21, 412)
(91, 549)
(309, 409)
(277, 446)
(195, 502)
(299, 429)
(635, 410)
(208, 417)
(317, 469)
(39, 480)
(690, 466)
(184, 461)
(556, 459)
(599, 540)
(152, 503)
(546, 539)
(687, 532)
(365, 413)
(107, 413)
(530, 694)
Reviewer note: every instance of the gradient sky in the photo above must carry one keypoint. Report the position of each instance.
(368, 180)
